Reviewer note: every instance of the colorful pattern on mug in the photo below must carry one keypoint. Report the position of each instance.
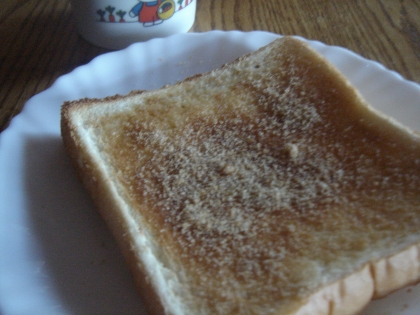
(147, 12)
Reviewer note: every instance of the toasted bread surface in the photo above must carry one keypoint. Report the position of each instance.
(268, 186)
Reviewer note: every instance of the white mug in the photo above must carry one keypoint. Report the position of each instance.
(115, 24)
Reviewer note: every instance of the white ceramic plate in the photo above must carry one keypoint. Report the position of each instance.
(56, 255)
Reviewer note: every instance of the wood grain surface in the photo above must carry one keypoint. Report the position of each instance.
(40, 42)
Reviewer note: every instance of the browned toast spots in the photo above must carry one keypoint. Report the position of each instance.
(268, 186)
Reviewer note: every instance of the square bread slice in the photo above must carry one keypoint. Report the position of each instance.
(268, 186)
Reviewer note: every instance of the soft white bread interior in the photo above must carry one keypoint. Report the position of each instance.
(268, 186)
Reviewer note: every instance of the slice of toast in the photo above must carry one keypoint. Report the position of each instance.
(268, 186)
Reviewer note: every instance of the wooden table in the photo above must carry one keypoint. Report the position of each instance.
(39, 42)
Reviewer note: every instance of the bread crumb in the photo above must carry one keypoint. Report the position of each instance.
(292, 150)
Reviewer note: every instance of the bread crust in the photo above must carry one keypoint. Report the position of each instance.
(394, 272)
(347, 295)
(95, 181)
(375, 280)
